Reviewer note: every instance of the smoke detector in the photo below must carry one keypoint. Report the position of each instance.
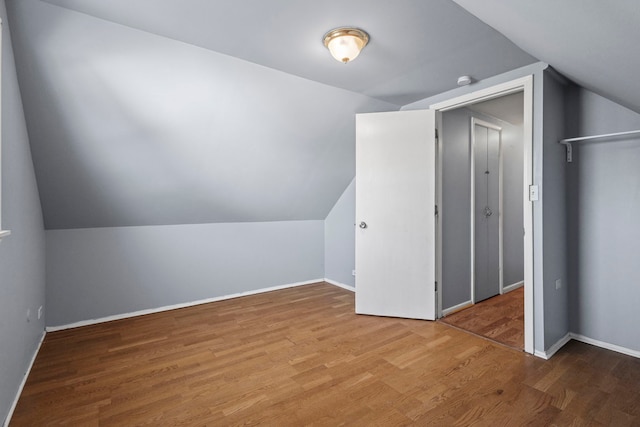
(464, 80)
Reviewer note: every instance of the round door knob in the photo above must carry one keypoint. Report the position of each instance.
(363, 224)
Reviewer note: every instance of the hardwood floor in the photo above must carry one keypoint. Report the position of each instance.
(301, 356)
(500, 318)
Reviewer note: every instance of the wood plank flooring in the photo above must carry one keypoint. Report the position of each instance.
(500, 318)
(301, 356)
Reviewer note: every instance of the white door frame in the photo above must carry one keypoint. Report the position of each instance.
(525, 85)
(475, 121)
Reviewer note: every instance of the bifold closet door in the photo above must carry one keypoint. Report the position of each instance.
(487, 213)
(395, 218)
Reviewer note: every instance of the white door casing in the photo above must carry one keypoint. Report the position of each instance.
(524, 84)
(395, 214)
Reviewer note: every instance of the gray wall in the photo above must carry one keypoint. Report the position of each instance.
(456, 194)
(339, 240)
(553, 195)
(22, 263)
(604, 232)
(93, 273)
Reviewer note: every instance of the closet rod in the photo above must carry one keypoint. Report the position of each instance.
(607, 135)
(567, 141)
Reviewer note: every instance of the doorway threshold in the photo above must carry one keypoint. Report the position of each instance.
(499, 319)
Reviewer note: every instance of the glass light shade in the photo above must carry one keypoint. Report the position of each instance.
(345, 44)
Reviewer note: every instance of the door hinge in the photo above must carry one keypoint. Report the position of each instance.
(436, 213)
(436, 286)
(436, 134)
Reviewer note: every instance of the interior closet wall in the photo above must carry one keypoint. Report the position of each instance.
(604, 232)
(456, 198)
(513, 216)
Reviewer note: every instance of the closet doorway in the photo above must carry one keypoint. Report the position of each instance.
(390, 283)
(484, 178)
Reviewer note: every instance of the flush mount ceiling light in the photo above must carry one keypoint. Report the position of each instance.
(345, 43)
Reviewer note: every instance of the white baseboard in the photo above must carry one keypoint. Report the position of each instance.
(24, 381)
(461, 306)
(571, 336)
(340, 285)
(176, 306)
(608, 346)
(547, 354)
(512, 287)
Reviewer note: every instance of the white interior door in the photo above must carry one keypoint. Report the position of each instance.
(395, 214)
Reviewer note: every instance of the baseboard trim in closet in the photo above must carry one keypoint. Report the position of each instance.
(512, 287)
(456, 308)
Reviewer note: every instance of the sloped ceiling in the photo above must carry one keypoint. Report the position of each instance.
(592, 42)
(418, 48)
(153, 112)
(128, 128)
